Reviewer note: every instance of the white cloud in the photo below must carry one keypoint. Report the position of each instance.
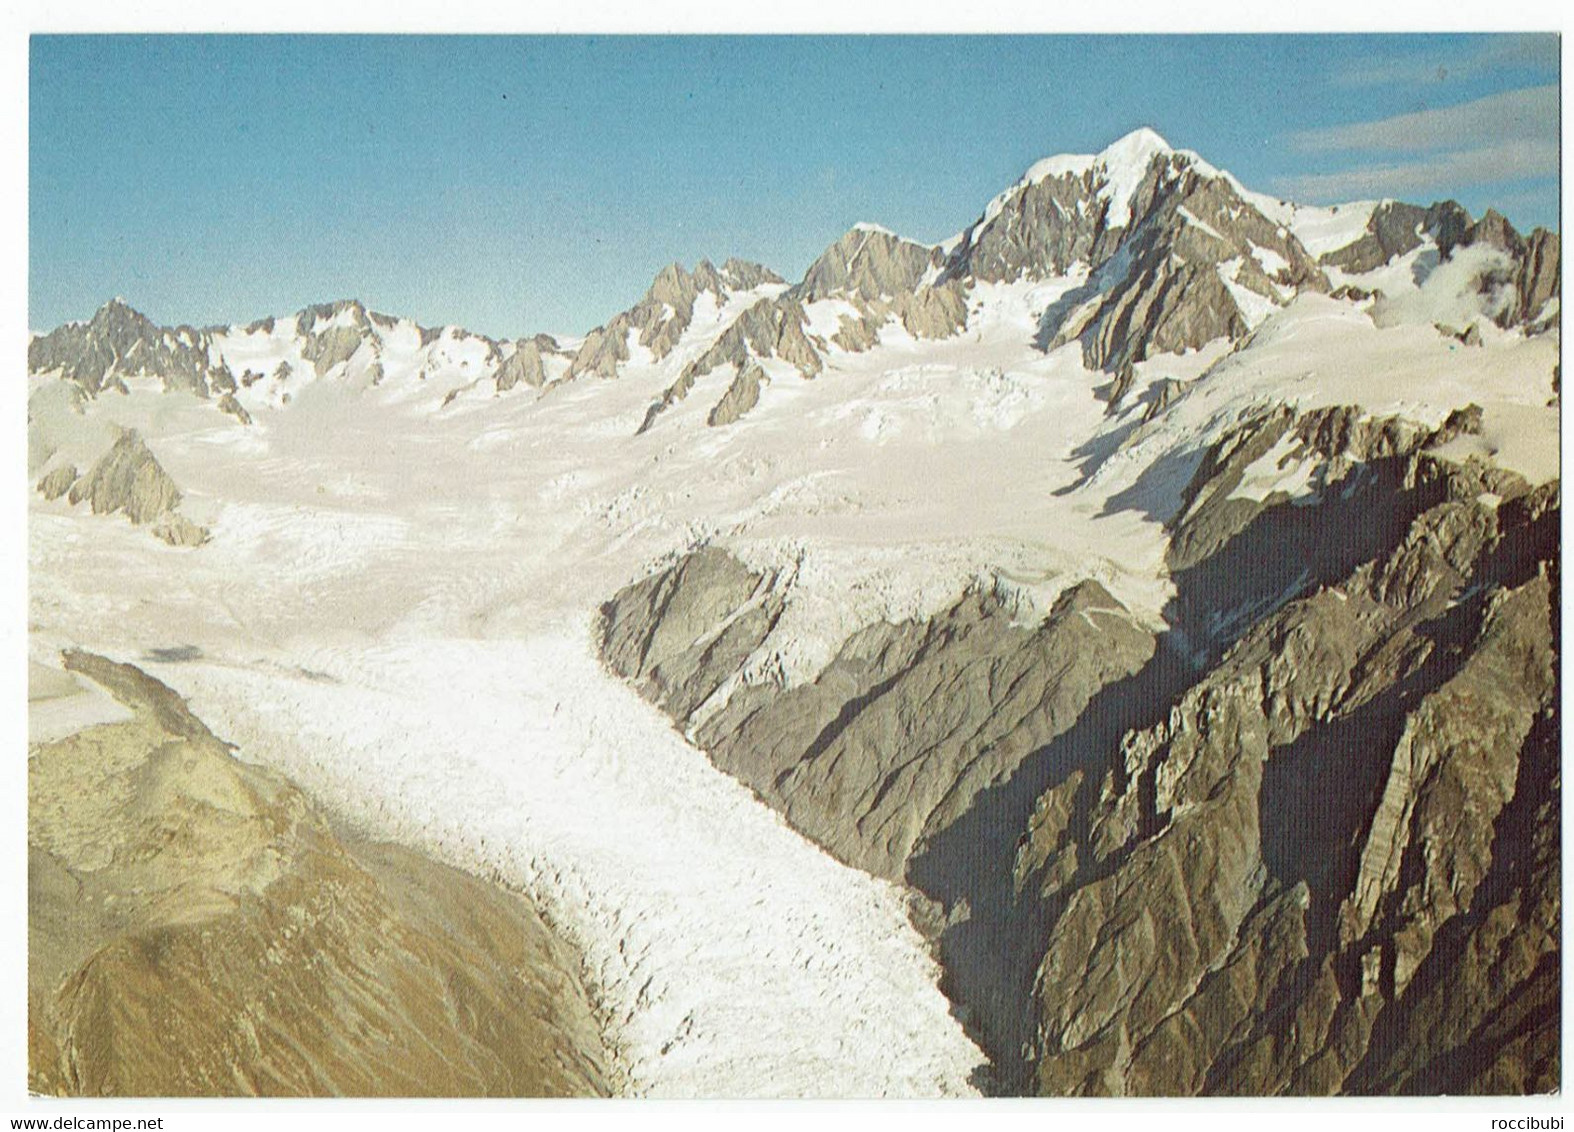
(1504, 137)
(1439, 175)
(1529, 114)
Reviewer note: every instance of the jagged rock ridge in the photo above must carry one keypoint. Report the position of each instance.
(659, 319)
(118, 343)
(1396, 229)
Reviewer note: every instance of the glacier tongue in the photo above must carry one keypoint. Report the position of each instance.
(734, 958)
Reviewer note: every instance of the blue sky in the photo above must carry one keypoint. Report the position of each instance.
(513, 185)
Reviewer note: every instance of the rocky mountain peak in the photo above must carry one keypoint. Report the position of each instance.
(707, 278)
(1495, 229)
(1126, 162)
(1201, 262)
(744, 275)
(119, 342)
(342, 312)
(1069, 209)
(122, 326)
(678, 287)
(333, 332)
(1175, 254)
(869, 262)
(667, 310)
(118, 312)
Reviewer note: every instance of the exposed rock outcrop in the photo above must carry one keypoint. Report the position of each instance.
(1395, 229)
(883, 276)
(228, 404)
(1534, 278)
(933, 312)
(197, 927)
(129, 480)
(1039, 228)
(771, 328)
(58, 481)
(827, 754)
(332, 333)
(741, 396)
(1541, 272)
(317, 321)
(868, 264)
(742, 275)
(659, 319)
(526, 365)
(855, 335)
(179, 531)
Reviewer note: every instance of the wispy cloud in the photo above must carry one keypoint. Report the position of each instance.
(1530, 113)
(1440, 175)
(1510, 136)
(1537, 51)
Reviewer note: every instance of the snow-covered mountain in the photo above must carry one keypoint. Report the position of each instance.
(1152, 251)
(265, 363)
(1106, 600)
